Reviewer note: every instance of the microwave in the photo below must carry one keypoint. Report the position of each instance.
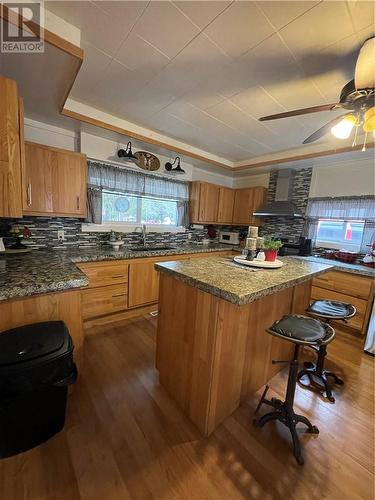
(230, 238)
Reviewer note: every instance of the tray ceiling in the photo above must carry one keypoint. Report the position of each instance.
(203, 72)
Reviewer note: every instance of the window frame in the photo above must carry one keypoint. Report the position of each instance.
(129, 227)
(339, 244)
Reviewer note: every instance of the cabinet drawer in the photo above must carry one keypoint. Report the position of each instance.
(357, 322)
(104, 300)
(105, 273)
(347, 283)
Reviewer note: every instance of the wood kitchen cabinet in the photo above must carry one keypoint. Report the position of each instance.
(225, 205)
(246, 201)
(54, 181)
(204, 199)
(213, 204)
(11, 136)
(143, 283)
(350, 288)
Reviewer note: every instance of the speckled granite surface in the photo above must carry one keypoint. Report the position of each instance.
(239, 284)
(40, 271)
(107, 253)
(343, 266)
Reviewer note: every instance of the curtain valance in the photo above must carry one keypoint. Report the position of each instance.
(112, 178)
(353, 208)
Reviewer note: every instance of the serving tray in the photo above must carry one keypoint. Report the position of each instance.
(265, 264)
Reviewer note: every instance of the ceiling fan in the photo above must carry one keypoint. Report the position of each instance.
(357, 98)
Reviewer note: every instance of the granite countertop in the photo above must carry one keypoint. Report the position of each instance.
(238, 284)
(41, 271)
(343, 266)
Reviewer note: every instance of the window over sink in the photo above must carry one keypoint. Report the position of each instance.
(340, 234)
(129, 209)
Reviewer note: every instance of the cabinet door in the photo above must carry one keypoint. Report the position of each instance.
(225, 206)
(243, 202)
(208, 202)
(143, 284)
(54, 182)
(258, 198)
(38, 179)
(69, 186)
(10, 167)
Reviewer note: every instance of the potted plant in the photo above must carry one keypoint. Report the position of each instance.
(271, 246)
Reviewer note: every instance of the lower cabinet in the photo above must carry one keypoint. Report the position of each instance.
(350, 288)
(123, 286)
(143, 284)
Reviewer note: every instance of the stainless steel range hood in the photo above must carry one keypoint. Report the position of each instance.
(282, 206)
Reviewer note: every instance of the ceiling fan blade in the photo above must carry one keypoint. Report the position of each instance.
(296, 112)
(324, 130)
(364, 76)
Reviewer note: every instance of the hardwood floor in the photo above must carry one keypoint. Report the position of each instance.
(125, 439)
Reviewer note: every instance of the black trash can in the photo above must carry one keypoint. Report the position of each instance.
(36, 367)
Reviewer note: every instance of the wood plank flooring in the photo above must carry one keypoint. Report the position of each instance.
(125, 439)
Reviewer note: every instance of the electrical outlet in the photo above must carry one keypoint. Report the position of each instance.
(60, 235)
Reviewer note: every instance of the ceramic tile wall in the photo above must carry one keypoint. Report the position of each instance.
(44, 234)
(285, 226)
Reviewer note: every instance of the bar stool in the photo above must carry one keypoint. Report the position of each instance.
(301, 330)
(318, 377)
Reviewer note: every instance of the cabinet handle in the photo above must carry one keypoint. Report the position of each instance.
(77, 202)
(119, 295)
(118, 276)
(28, 194)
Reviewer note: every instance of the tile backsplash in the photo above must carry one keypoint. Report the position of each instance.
(44, 234)
(285, 226)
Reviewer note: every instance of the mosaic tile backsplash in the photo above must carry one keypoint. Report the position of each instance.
(44, 234)
(287, 227)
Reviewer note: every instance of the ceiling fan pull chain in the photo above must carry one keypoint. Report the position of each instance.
(355, 137)
(364, 144)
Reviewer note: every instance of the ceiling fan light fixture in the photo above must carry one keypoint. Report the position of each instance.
(344, 128)
(369, 120)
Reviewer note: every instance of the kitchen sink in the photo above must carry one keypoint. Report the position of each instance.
(151, 248)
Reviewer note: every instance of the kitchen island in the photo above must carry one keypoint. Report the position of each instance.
(212, 350)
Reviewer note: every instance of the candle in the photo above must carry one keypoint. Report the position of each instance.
(260, 242)
(251, 243)
(253, 232)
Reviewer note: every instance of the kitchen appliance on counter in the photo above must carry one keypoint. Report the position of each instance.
(229, 237)
(303, 247)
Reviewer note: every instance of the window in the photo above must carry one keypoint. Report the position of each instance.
(340, 234)
(129, 209)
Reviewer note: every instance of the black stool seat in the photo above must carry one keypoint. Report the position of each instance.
(301, 330)
(331, 309)
(314, 376)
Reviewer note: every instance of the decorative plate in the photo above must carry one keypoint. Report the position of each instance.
(147, 161)
(265, 264)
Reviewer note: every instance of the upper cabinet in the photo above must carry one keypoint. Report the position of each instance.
(214, 204)
(246, 201)
(54, 182)
(11, 124)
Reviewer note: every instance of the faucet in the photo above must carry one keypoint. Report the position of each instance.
(144, 233)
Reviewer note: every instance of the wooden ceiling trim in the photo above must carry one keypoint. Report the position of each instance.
(52, 39)
(143, 138)
(305, 156)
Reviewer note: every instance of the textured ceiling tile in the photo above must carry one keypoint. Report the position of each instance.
(281, 12)
(201, 12)
(239, 28)
(164, 26)
(325, 24)
(139, 55)
(362, 13)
